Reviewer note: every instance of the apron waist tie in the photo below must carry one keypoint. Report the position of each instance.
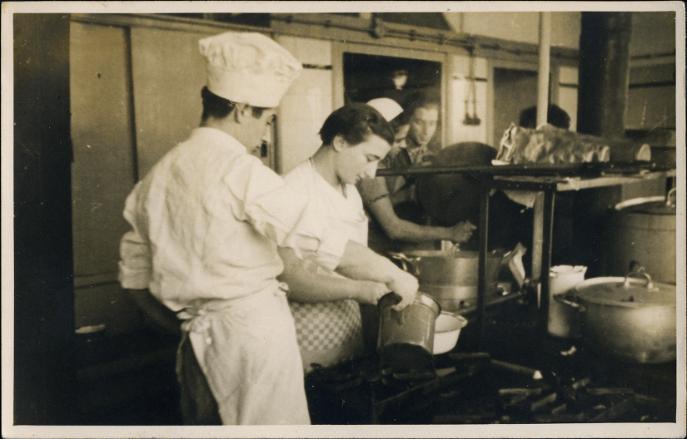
(195, 317)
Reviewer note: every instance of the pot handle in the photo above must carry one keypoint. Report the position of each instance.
(407, 263)
(569, 300)
(640, 272)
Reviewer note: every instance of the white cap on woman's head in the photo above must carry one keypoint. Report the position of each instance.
(387, 107)
(248, 68)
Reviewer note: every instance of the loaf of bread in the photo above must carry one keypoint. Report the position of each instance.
(549, 144)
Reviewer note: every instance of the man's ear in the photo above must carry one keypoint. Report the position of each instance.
(242, 112)
(339, 143)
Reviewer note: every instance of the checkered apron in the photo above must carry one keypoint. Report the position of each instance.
(327, 332)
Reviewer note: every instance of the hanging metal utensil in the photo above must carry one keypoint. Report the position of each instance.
(471, 95)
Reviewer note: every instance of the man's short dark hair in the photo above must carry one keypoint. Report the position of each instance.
(217, 107)
(355, 123)
(402, 119)
(421, 100)
(556, 116)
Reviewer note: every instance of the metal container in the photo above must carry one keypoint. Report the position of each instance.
(563, 321)
(406, 337)
(450, 276)
(642, 230)
(446, 331)
(629, 318)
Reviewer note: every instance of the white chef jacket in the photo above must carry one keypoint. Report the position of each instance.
(212, 214)
(205, 225)
(329, 332)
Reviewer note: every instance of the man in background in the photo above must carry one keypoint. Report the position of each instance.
(421, 142)
(556, 116)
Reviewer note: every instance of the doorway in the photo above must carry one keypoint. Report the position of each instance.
(514, 90)
(371, 76)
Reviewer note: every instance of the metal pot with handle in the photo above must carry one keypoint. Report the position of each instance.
(406, 337)
(450, 276)
(630, 318)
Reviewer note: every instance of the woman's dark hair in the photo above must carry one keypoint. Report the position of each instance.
(355, 123)
(217, 107)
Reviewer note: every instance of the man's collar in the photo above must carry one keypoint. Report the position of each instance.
(215, 135)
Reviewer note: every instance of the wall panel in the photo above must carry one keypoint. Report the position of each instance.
(168, 73)
(306, 104)
(103, 168)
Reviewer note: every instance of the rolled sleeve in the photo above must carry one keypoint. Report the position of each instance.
(134, 264)
(373, 189)
(331, 250)
(285, 216)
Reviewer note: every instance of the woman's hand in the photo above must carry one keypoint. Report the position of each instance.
(462, 231)
(370, 292)
(406, 286)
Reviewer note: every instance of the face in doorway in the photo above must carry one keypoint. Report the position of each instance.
(423, 124)
(355, 162)
(399, 78)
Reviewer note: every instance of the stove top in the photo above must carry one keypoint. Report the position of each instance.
(473, 388)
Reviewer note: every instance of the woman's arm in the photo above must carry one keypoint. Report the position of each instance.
(402, 230)
(307, 286)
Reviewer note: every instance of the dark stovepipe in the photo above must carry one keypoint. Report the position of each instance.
(603, 78)
(602, 95)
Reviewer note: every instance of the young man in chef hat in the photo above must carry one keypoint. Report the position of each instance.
(206, 223)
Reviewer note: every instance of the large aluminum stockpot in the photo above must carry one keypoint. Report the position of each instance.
(406, 337)
(630, 318)
(450, 276)
(642, 229)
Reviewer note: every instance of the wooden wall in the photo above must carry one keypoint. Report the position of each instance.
(135, 94)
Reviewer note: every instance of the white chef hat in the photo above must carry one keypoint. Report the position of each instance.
(248, 68)
(387, 107)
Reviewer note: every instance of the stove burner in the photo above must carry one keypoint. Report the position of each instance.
(465, 389)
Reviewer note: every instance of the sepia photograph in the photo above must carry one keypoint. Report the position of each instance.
(343, 219)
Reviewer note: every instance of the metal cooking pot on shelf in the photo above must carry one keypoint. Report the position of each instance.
(450, 276)
(630, 318)
(642, 229)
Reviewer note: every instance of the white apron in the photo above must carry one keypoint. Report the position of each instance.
(247, 350)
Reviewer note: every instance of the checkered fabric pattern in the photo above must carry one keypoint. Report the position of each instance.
(326, 325)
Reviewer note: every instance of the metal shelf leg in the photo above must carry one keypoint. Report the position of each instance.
(483, 249)
(547, 246)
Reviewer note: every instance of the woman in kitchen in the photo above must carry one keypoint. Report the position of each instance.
(391, 200)
(325, 305)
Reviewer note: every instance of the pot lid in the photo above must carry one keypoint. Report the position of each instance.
(622, 291)
(449, 253)
(656, 205)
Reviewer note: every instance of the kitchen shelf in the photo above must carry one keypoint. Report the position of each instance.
(545, 180)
